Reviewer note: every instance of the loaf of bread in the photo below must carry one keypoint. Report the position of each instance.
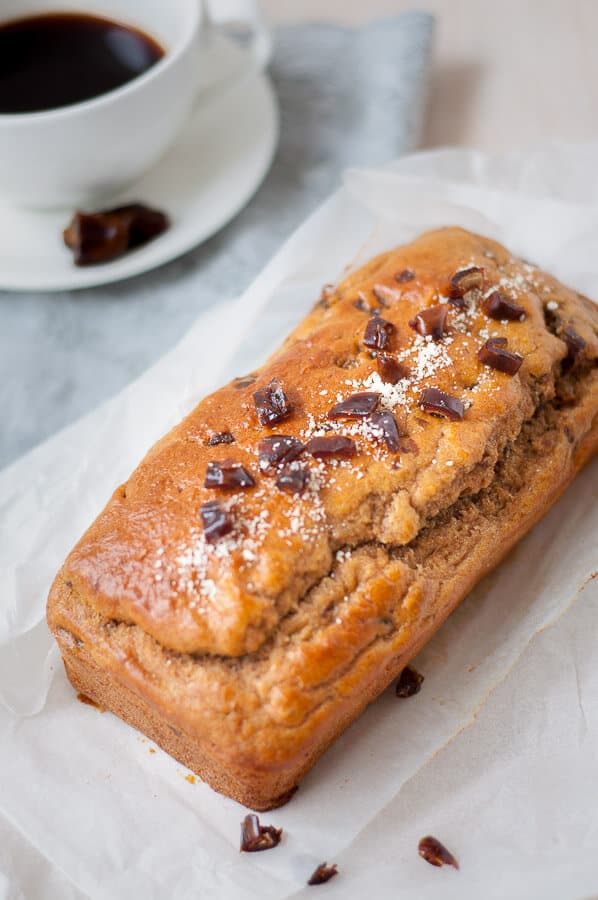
(280, 556)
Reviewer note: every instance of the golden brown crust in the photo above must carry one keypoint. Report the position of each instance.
(260, 649)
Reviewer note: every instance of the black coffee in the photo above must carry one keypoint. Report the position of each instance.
(58, 59)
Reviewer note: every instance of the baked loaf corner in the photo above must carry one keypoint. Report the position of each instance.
(280, 556)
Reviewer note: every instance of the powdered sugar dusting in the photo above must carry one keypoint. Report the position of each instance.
(243, 546)
(427, 361)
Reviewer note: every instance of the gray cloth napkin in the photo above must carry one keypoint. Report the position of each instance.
(347, 97)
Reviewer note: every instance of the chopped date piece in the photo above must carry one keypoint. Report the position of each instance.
(256, 837)
(325, 295)
(494, 353)
(228, 474)
(323, 873)
(334, 445)
(378, 333)
(440, 404)
(221, 437)
(575, 346)
(431, 321)
(104, 235)
(243, 382)
(384, 422)
(145, 223)
(278, 448)
(355, 407)
(386, 295)
(390, 370)
(294, 480)
(96, 238)
(216, 522)
(430, 849)
(362, 304)
(271, 403)
(409, 683)
(499, 307)
(459, 302)
(405, 275)
(465, 280)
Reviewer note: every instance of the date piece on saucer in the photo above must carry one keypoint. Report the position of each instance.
(98, 237)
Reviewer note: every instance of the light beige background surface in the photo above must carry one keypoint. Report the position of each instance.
(507, 73)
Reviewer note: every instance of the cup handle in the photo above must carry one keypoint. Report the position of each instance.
(223, 64)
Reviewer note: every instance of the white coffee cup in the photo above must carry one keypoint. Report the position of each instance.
(84, 154)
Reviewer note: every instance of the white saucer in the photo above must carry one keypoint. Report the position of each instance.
(218, 162)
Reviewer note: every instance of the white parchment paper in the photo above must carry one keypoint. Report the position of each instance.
(83, 801)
